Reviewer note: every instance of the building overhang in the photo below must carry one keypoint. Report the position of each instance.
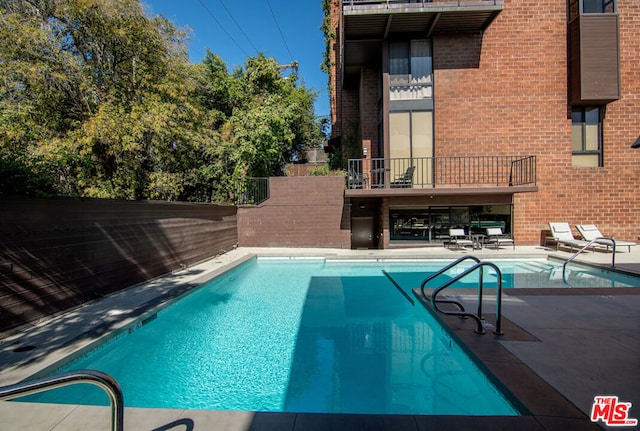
(438, 191)
(367, 23)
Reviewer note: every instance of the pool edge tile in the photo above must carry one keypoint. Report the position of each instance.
(354, 422)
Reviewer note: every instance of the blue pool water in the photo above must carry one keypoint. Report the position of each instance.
(281, 336)
(521, 273)
(301, 336)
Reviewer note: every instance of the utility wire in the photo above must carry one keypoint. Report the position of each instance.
(222, 27)
(236, 22)
(279, 30)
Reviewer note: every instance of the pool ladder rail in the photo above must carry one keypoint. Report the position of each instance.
(462, 313)
(607, 241)
(97, 378)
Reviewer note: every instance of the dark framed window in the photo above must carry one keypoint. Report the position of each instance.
(581, 7)
(410, 70)
(598, 6)
(432, 223)
(586, 136)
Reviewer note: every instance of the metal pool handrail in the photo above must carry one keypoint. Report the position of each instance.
(94, 377)
(442, 271)
(479, 265)
(589, 244)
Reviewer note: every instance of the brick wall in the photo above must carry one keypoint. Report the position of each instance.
(59, 253)
(504, 92)
(335, 84)
(369, 111)
(621, 129)
(607, 196)
(351, 127)
(301, 212)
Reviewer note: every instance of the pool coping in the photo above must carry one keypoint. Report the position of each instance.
(151, 298)
(532, 395)
(553, 413)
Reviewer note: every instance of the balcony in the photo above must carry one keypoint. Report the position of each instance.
(441, 175)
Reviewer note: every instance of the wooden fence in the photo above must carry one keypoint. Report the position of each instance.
(59, 253)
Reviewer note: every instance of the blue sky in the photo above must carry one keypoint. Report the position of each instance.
(239, 29)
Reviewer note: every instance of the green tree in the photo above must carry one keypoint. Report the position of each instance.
(95, 96)
(214, 90)
(274, 119)
(41, 95)
(261, 119)
(99, 100)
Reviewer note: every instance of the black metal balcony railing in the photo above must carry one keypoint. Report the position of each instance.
(430, 172)
(252, 191)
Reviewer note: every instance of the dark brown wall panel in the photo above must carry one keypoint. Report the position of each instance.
(59, 253)
(301, 212)
(594, 59)
(599, 46)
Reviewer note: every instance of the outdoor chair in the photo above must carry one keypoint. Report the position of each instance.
(356, 180)
(404, 180)
(561, 235)
(590, 232)
(459, 239)
(495, 236)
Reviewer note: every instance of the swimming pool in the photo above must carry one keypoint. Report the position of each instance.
(303, 336)
(310, 335)
(516, 273)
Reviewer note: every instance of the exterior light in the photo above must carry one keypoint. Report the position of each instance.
(636, 144)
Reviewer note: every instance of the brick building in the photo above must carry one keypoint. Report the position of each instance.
(477, 113)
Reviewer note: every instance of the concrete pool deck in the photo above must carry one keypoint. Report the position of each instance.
(561, 348)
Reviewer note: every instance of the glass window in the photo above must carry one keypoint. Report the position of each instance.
(399, 63)
(586, 136)
(576, 135)
(410, 70)
(411, 137)
(577, 7)
(598, 6)
(400, 134)
(421, 65)
(432, 224)
(421, 134)
(422, 147)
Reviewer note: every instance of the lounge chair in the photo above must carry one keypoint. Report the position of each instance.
(356, 180)
(495, 236)
(590, 232)
(404, 180)
(561, 235)
(458, 238)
